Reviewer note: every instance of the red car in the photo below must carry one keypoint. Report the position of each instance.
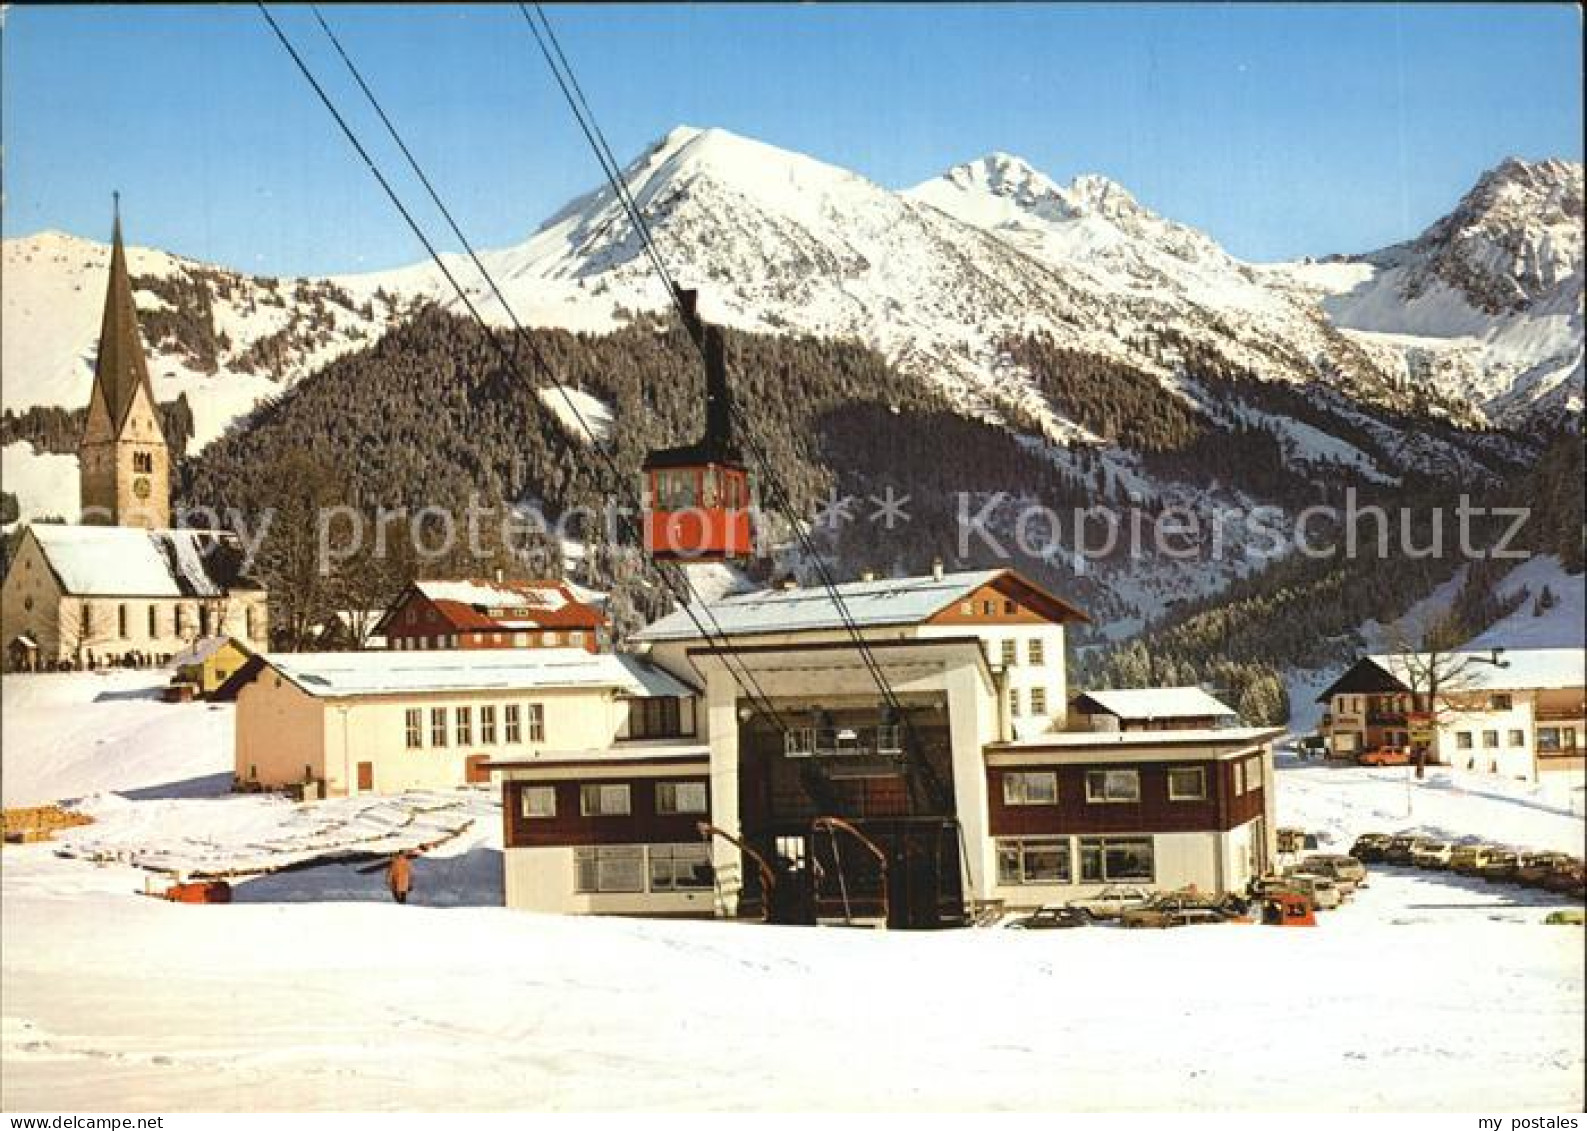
(1385, 756)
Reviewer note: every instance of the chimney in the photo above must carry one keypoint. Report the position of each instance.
(936, 569)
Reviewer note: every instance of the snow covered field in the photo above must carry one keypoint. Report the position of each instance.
(314, 991)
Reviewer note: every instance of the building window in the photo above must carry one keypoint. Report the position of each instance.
(680, 797)
(1036, 649)
(1463, 740)
(655, 716)
(1499, 702)
(1551, 740)
(1518, 738)
(967, 608)
(1239, 779)
(1035, 787)
(250, 627)
(1013, 702)
(465, 725)
(1253, 774)
(1010, 653)
(487, 724)
(1187, 783)
(514, 734)
(609, 867)
(154, 621)
(680, 867)
(605, 800)
(1113, 785)
(437, 726)
(121, 621)
(538, 802)
(537, 723)
(987, 608)
(1490, 740)
(551, 640)
(576, 639)
(415, 727)
(1022, 862)
(143, 463)
(1116, 859)
(179, 615)
(1038, 700)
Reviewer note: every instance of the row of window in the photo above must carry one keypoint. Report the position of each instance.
(459, 721)
(539, 802)
(656, 868)
(1548, 739)
(546, 639)
(677, 489)
(1040, 787)
(1051, 860)
(1358, 704)
(1035, 652)
(183, 618)
(1038, 701)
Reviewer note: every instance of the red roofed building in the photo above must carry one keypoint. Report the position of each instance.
(431, 615)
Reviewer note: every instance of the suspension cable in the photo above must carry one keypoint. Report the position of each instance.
(758, 699)
(550, 48)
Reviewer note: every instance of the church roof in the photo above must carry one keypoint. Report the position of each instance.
(121, 368)
(127, 561)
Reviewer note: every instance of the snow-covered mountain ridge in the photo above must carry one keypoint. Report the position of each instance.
(937, 278)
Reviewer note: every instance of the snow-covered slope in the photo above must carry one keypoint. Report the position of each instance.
(1487, 302)
(223, 339)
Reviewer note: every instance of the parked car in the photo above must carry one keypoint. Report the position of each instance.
(1501, 866)
(1385, 756)
(1173, 911)
(1052, 918)
(1432, 854)
(1399, 849)
(1369, 847)
(1312, 746)
(1324, 893)
(1535, 867)
(1469, 859)
(1111, 900)
(1346, 871)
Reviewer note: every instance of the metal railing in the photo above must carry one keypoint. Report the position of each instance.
(844, 742)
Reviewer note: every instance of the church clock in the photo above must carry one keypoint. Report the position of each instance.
(140, 487)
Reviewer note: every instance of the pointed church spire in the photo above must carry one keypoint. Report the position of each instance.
(121, 368)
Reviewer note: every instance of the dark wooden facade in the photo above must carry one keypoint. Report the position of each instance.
(642, 825)
(1222, 809)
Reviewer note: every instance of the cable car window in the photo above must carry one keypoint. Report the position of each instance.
(711, 487)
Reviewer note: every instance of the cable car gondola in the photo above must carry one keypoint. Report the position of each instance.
(697, 497)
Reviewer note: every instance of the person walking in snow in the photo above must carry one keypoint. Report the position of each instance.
(399, 877)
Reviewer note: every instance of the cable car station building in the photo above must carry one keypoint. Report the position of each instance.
(802, 792)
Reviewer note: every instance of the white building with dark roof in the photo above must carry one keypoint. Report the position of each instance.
(1518, 713)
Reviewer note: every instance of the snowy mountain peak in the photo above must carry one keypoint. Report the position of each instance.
(1510, 242)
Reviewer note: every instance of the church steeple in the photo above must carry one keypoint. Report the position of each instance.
(124, 463)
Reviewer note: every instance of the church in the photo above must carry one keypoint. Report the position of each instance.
(122, 586)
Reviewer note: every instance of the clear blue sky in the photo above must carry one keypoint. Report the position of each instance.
(1281, 130)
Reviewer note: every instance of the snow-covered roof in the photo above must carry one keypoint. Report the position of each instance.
(127, 561)
(893, 601)
(201, 650)
(1159, 703)
(335, 674)
(1226, 740)
(487, 594)
(1525, 669)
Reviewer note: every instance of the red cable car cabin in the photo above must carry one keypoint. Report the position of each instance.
(697, 497)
